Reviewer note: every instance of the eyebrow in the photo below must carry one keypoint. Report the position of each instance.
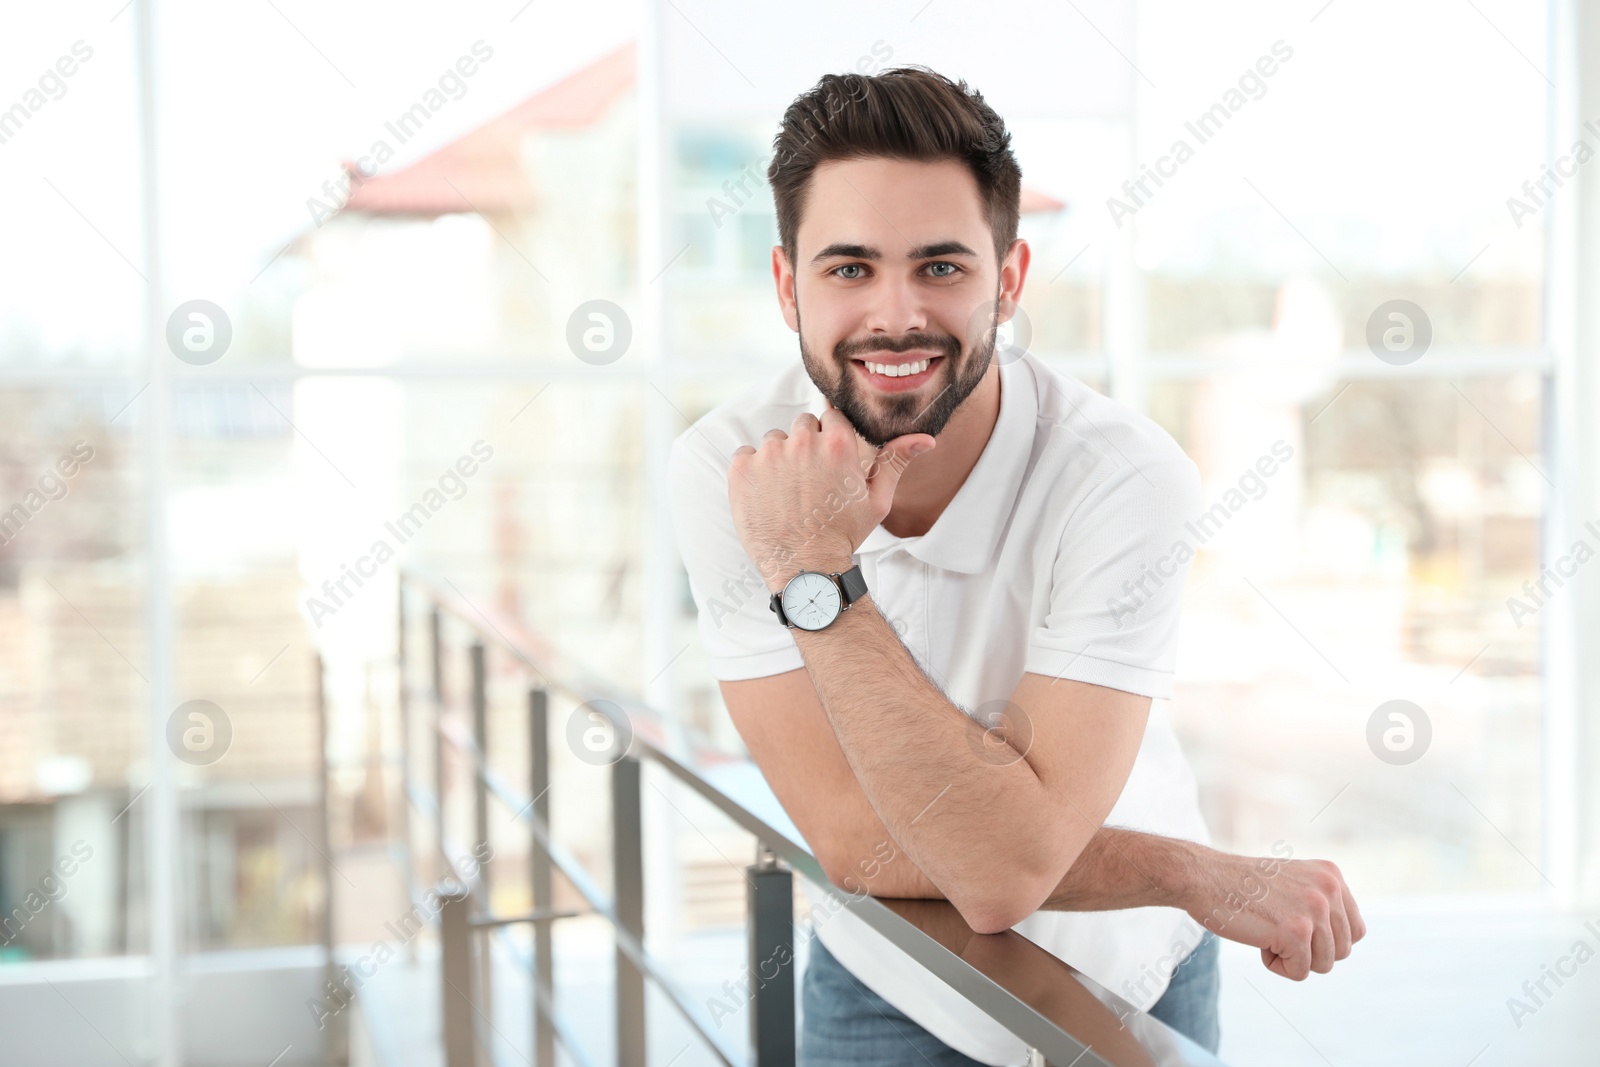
(845, 250)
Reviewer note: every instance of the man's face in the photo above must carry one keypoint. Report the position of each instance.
(894, 261)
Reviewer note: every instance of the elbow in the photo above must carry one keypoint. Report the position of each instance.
(995, 915)
(993, 905)
(994, 909)
(991, 919)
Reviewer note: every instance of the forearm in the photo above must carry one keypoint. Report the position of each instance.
(1129, 869)
(1117, 869)
(1299, 913)
(919, 761)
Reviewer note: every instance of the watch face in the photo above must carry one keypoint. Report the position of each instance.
(811, 600)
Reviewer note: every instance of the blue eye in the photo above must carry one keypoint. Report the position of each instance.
(955, 269)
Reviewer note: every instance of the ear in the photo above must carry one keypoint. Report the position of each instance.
(784, 281)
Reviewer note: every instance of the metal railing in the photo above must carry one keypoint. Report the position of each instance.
(1061, 1015)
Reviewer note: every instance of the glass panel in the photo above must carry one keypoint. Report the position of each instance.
(1257, 160)
(1347, 559)
(246, 685)
(75, 670)
(67, 123)
(1307, 323)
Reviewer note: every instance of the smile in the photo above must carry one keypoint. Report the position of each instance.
(898, 377)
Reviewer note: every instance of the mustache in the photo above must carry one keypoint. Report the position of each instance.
(948, 346)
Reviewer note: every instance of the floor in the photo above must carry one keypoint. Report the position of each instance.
(1424, 987)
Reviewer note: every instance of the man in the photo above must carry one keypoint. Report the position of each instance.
(927, 583)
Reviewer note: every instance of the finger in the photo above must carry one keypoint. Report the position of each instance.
(775, 434)
(834, 420)
(1273, 962)
(805, 422)
(883, 474)
(1322, 947)
(884, 460)
(1358, 925)
(745, 450)
(1341, 929)
(833, 423)
(1295, 959)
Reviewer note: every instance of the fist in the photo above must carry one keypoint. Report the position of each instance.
(1299, 913)
(806, 499)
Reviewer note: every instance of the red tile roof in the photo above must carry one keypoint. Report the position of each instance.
(482, 171)
(1035, 202)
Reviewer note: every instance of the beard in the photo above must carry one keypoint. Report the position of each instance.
(881, 417)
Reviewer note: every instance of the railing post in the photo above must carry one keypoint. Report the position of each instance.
(455, 980)
(437, 680)
(544, 1033)
(770, 906)
(480, 737)
(628, 877)
(480, 811)
(338, 1034)
(409, 875)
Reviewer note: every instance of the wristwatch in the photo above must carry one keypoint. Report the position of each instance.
(811, 600)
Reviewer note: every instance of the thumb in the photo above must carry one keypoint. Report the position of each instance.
(891, 462)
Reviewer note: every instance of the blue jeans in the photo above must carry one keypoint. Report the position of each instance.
(847, 1024)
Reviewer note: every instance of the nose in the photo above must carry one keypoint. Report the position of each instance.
(897, 307)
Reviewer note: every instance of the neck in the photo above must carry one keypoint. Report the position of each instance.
(932, 480)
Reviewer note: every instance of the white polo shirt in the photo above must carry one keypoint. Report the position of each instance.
(1057, 557)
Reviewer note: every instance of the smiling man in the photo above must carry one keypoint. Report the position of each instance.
(902, 550)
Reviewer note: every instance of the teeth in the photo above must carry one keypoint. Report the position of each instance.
(889, 371)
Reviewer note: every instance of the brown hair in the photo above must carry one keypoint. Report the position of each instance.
(909, 113)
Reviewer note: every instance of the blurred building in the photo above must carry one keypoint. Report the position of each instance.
(405, 375)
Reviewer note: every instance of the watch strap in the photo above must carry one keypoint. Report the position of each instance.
(854, 584)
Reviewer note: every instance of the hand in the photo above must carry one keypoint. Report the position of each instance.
(808, 498)
(1299, 913)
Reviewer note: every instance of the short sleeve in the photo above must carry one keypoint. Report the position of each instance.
(742, 637)
(1116, 587)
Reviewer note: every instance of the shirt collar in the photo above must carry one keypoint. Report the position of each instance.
(966, 535)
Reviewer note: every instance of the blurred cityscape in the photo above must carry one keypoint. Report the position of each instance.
(1375, 562)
